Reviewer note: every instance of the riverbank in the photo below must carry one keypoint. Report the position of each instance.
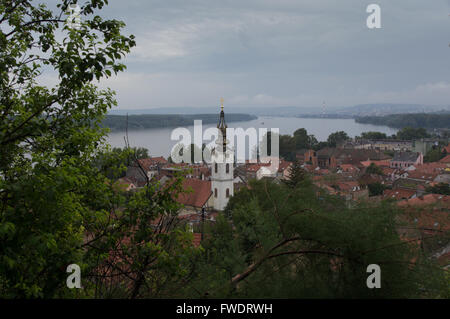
(119, 123)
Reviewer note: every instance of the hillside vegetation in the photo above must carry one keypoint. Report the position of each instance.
(146, 121)
(409, 120)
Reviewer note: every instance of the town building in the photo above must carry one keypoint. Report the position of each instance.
(145, 169)
(406, 159)
(385, 145)
(197, 196)
(333, 157)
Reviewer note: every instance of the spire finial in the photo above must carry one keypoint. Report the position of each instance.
(221, 103)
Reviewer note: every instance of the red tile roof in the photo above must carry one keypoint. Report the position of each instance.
(321, 171)
(445, 159)
(254, 167)
(283, 165)
(432, 166)
(420, 174)
(398, 193)
(387, 171)
(198, 193)
(385, 163)
(348, 186)
(447, 148)
(428, 199)
(349, 168)
(147, 163)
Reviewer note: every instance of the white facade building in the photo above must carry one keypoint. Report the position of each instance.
(222, 175)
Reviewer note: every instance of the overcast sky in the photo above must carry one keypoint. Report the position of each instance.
(283, 53)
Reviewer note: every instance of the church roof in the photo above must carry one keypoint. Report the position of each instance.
(198, 192)
(222, 125)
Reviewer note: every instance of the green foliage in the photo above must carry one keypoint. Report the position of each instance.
(417, 120)
(336, 138)
(139, 152)
(410, 133)
(58, 206)
(374, 169)
(376, 189)
(301, 141)
(297, 175)
(434, 155)
(113, 163)
(373, 135)
(48, 136)
(389, 153)
(441, 188)
(283, 242)
(290, 145)
(144, 258)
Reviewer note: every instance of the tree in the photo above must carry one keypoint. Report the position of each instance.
(374, 169)
(301, 139)
(410, 133)
(320, 145)
(441, 188)
(376, 189)
(141, 250)
(140, 152)
(48, 136)
(425, 120)
(336, 138)
(297, 175)
(290, 145)
(283, 242)
(287, 147)
(434, 155)
(373, 136)
(58, 206)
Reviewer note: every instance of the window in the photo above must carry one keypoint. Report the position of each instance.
(215, 191)
(215, 167)
(228, 192)
(228, 168)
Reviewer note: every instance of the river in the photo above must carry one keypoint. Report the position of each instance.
(159, 143)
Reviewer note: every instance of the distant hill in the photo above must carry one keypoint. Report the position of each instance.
(385, 109)
(147, 121)
(425, 120)
(344, 111)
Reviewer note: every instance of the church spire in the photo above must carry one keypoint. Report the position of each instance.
(222, 125)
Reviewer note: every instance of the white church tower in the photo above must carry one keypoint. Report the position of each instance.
(222, 166)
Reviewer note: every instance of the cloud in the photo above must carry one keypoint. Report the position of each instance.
(164, 44)
(421, 94)
(284, 52)
(262, 99)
